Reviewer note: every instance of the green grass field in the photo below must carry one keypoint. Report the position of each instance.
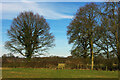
(51, 73)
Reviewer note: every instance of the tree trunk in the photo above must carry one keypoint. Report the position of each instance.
(118, 51)
(107, 52)
(107, 58)
(118, 41)
(92, 55)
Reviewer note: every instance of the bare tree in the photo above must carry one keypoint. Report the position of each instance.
(82, 31)
(110, 30)
(119, 38)
(29, 35)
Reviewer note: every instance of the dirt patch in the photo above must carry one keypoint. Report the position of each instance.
(17, 72)
(100, 76)
(5, 68)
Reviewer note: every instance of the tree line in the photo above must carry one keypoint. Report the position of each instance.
(93, 31)
(52, 62)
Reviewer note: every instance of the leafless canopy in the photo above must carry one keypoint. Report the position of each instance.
(29, 34)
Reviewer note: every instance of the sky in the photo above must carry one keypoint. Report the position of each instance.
(57, 14)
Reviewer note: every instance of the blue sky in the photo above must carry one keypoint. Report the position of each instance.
(57, 14)
(58, 0)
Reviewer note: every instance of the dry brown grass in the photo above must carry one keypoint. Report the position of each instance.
(5, 68)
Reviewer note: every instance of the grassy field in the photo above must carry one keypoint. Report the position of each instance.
(51, 73)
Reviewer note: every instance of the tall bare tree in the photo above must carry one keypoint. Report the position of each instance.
(109, 40)
(106, 41)
(119, 38)
(83, 28)
(77, 35)
(29, 35)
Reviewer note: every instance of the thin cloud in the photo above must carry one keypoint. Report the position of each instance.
(11, 10)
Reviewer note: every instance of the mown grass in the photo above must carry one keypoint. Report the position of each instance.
(51, 73)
